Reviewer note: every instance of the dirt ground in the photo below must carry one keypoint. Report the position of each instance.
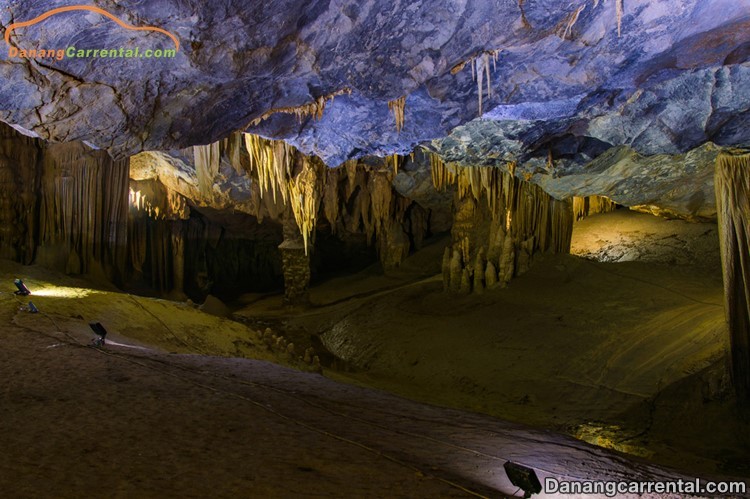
(180, 403)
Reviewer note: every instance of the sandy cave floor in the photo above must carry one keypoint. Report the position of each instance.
(168, 409)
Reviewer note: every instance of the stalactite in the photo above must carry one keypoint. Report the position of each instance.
(381, 197)
(481, 67)
(312, 109)
(524, 22)
(397, 108)
(442, 174)
(572, 19)
(271, 160)
(619, 8)
(207, 163)
(395, 160)
(331, 197)
(732, 185)
(304, 197)
(233, 146)
(590, 205)
(351, 175)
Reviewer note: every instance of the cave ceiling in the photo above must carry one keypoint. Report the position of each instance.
(563, 84)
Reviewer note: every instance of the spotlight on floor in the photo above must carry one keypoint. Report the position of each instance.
(523, 478)
(32, 308)
(100, 333)
(22, 289)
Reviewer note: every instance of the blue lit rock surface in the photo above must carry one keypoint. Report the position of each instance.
(675, 79)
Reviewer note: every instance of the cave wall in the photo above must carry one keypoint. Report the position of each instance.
(20, 173)
(63, 206)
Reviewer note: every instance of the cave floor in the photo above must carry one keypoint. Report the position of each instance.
(131, 421)
(626, 353)
(169, 408)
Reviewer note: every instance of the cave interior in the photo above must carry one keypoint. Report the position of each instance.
(499, 213)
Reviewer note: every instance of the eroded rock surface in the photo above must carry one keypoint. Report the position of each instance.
(674, 78)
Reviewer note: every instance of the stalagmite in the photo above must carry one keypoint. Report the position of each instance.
(465, 286)
(479, 271)
(393, 246)
(446, 267)
(490, 275)
(496, 244)
(525, 253)
(732, 184)
(507, 262)
(456, 271)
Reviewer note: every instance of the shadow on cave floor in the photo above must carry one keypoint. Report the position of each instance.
(627, 353)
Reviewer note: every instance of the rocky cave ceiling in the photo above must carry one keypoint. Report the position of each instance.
(628, 98)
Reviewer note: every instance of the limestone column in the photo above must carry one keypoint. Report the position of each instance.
(295, 264)
(732, 184)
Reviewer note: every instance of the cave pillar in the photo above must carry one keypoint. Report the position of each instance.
(732, 184)
(295, 263)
